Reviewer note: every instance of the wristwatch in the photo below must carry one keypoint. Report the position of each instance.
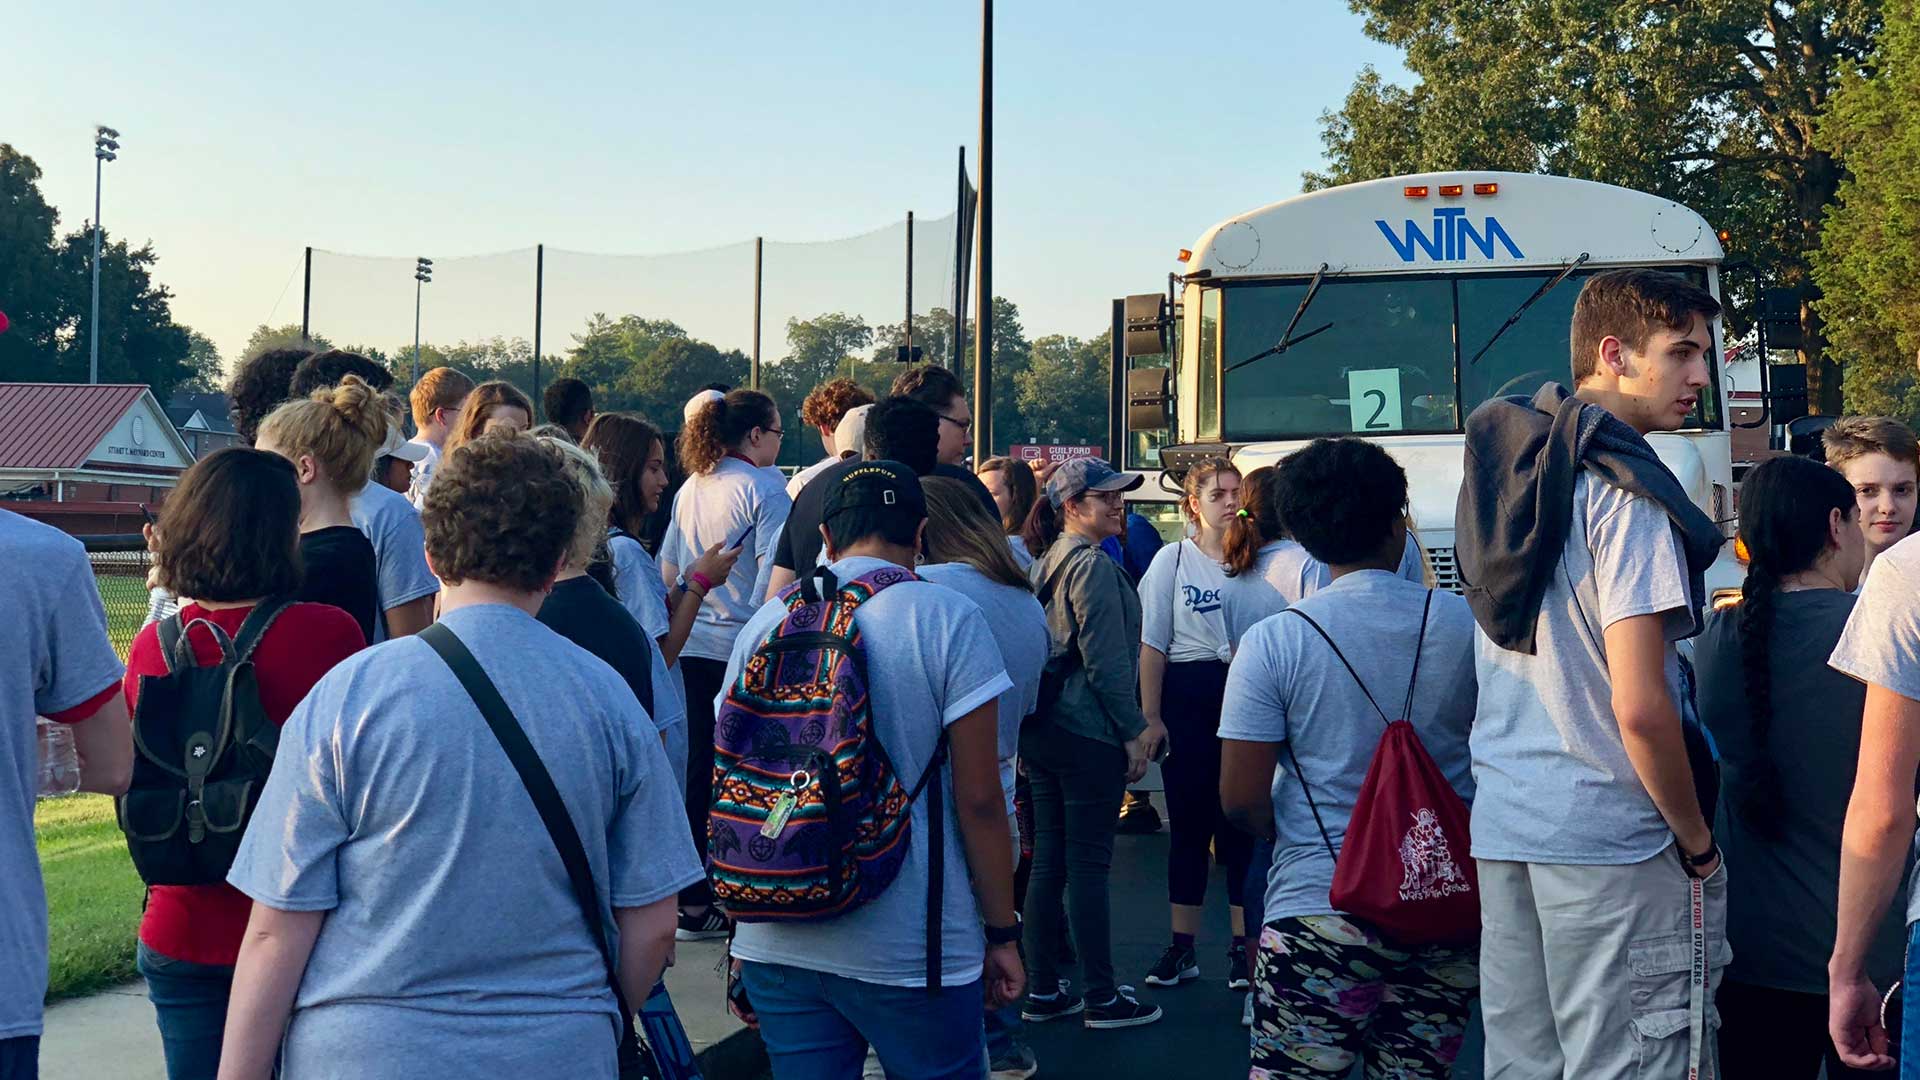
(1004, 935)
(1702, 859)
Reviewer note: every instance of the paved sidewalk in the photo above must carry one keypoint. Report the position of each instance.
(113, 1034)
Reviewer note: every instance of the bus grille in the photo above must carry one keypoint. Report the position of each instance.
(1446, 575)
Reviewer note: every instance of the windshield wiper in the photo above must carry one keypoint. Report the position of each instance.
(1287, 340)
(1545, 288)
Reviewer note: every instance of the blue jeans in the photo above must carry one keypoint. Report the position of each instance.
(20, 1058)
(1909, 1023)
(1003, 1030)
(190, 1004)
(818, 1026)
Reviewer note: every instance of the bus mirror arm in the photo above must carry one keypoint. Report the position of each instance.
(1545, 288)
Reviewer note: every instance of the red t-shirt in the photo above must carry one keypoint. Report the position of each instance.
(203, 924)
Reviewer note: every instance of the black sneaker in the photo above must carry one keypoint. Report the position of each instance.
(1177, 965)
(1041, 1008)
(705, 927)
(1239, 968)
(1122, 1012)
(1138, 818)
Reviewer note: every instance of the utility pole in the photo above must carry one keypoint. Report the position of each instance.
(105, 142)
(983, 310)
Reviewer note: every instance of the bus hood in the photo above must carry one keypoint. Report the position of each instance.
(1435, 466)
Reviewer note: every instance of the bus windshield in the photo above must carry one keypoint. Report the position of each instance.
(1390, 354)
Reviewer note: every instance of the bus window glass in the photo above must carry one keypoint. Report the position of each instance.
(1209, 364)
(1369, 356)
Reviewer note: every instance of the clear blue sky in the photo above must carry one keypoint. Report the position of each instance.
(1124, 129)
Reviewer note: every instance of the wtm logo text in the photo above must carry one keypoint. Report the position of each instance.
(1449, 242)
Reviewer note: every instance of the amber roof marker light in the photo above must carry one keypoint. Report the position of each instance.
(1486, 189)
(1452, 191)
(1415, 191)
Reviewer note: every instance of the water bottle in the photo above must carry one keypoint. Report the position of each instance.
(59, 760)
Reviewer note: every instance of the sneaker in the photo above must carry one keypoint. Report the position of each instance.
(872, 1069)
(1041, 1008)
(705, 927)
(1124, 1011)
(1246, 1012)
(1176, 965)
(1239, 969)
(1018, 1063)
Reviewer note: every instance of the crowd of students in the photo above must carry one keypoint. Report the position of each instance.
(497, 735)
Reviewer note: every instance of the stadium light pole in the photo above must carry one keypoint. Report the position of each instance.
(983, 308)
(422, 273)
(105, 142)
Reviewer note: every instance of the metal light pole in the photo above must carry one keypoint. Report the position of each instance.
(983, 310)
(422, 273)
(105, 142)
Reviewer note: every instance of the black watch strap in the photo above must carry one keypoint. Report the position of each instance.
(1702, 859)
(1004, 935)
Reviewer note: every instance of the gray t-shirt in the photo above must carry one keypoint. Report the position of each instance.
(392, 525)
(1181, 611)
(452, 933)
(1299, 575)
(1881, 644)
(1287, 686)
(637, 578)
(1020, 629)
(1555, 784)
(1248, 597)
(54, 656)
(1782, 903)
(931, 659)
(734, 501)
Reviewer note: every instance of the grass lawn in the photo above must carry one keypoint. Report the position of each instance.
(93, 894)
(125, 597)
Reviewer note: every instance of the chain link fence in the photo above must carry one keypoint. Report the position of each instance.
(120, 565)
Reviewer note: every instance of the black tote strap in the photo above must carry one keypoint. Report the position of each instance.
(1406, 711)
(540, 788)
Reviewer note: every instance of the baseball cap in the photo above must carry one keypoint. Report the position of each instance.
(398, 445)
(699, 401)
(881, 488)
(1081, 475)
(851, 435)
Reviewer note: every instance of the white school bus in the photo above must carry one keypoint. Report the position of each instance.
(1390, 309)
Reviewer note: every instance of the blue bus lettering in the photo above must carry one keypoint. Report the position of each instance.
(1452, 232)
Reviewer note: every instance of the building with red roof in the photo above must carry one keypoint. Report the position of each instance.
(88, 459)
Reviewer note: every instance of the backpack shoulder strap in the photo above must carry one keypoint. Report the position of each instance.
(176, 638)
(171, 634)
(1344, 662)
(1406, 711)
(257, 623)
(540, 789)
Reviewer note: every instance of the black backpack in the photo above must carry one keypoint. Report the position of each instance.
(203, 746)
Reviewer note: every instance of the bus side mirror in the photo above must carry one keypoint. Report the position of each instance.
(1147, 321)
(1149, 399)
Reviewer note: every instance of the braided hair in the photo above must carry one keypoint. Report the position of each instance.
(1785, 506)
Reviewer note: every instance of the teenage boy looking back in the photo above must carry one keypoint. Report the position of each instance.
(823, 991)
(1880, 458)
(436, 401)
(1584, 562)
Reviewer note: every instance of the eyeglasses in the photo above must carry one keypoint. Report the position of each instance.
(963, 425)
(774, 430)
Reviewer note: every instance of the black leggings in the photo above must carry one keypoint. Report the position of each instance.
(1191, 696)
(703, 678)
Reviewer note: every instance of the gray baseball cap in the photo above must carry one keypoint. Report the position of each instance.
(1081, 475)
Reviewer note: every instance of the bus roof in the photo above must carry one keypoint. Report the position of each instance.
(1526, 220)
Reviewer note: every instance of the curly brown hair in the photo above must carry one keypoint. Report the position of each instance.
(502, 511)
(231, 529)
(830, 401)
(722, 425)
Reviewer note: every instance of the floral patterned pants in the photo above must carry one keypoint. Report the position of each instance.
(1328, 991)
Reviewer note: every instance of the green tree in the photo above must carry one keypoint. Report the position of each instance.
(285, 336)
(1012, 354)
(1869, 255)
(29, 279)
(1712, 103)
(660, 384)
(203, 359)
(1063, 394)
(602, 354)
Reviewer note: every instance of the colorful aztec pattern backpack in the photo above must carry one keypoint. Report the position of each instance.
(809, 817)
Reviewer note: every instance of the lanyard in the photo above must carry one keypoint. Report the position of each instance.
(1696, 978)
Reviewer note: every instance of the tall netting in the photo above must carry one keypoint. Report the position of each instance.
(648, 331)
(838, 308)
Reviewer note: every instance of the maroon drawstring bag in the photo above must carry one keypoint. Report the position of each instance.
(1403, 866)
